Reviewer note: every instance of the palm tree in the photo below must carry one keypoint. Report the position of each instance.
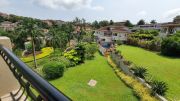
(29, 28)
(58, 38)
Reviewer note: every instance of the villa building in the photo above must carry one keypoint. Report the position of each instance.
(106, 36)
(148, 27)
(169, 29)
(6, 25)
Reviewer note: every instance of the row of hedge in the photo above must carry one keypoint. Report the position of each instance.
(142, 92)
(154, 45)
(45, 52)
(145, 39)
(157, 87)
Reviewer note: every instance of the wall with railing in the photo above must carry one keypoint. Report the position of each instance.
(8, 82)
(31, 85)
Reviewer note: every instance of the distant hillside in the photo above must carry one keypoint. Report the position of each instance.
(15, 18)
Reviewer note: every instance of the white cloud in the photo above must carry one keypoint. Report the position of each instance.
(142, 13)
(172, 13)
(67, 4)
(4, 3)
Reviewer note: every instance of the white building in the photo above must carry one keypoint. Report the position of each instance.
(106, 36)
(6, 25)
(169, 29)
(148, 27)
(112, 33)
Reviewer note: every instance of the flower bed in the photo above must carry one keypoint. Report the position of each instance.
(45, 52)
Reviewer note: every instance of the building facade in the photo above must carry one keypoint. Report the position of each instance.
(106, 36)
(6, 25)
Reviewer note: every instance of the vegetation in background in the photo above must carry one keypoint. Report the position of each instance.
(153, 22)
(141, 22)
(145, 39)
(128, 24)
(170, 46)
(57, 38)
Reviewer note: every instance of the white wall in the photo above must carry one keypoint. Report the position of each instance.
(120, 36)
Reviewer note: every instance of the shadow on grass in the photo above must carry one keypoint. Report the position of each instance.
(169, 57)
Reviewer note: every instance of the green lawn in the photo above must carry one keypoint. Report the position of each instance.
(109, 87)
(162, 68)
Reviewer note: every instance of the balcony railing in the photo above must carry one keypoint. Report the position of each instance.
(32, 86)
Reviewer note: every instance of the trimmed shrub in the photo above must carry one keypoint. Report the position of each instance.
(53, 70)
(159, 87)
(63, 60)
(140, 72)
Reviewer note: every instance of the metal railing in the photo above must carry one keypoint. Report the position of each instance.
(32, 86)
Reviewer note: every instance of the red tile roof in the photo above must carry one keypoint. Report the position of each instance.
(115, 29)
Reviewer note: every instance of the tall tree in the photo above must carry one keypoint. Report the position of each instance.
(153, 22)
(104, 23)
(95, 24)
(68, 28)
(111, 22)
(29, 28)
(58, 38)
(177, 19)
(1, 19)
(84, 23)
(141, 22)
(128, 24)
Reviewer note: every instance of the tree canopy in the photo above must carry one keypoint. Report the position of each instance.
(141, 22)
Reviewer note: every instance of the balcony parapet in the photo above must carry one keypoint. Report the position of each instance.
(32, 86)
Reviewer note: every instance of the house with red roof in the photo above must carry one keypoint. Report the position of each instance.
(106, 36)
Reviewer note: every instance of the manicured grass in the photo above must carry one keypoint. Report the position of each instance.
(109, 87)
(162, 68)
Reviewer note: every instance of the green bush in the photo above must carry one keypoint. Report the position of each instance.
(18, 52)
(61, 59)
(140, 72)
(72, 56)
(53, 70)
(159, 87)
(119, 42)
(28, 47)
(170, 46)
(90, 50)
(80, 52)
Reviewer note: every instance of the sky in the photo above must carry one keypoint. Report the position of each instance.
(117, 10)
